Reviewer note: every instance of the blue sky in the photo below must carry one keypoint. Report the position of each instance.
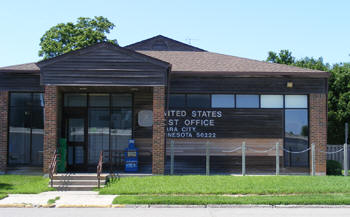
(244, 28)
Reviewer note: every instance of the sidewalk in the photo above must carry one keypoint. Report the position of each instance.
(67, 199)
(91, 199)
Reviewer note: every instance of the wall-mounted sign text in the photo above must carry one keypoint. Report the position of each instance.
(192, 123)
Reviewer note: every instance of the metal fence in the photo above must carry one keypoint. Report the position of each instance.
(333, 152)
(336, 154)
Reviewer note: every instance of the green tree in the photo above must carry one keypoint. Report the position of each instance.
(338, 102)
(283, 57)
(312, 63)
(338, 90)
(65, 37)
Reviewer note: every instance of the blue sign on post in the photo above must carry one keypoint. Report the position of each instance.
(131, 157)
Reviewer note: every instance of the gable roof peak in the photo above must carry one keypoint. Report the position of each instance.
(162, 43)
(99, 46)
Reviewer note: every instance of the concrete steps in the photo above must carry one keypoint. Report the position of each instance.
(77, 182)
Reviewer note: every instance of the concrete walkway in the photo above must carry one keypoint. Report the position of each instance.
(67, 199)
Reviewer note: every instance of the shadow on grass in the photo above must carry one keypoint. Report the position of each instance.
(5, 187)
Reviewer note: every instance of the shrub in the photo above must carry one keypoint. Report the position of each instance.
(334, 168)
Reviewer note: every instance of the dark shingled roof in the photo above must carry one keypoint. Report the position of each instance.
(162, 43)
(188, 60)
(219, 64)
(27, 67)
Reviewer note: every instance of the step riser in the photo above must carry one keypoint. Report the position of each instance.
(89, 188)
(77, 178)
(76, 182)
(60, 182)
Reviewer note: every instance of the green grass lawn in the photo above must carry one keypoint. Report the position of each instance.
(328, 199)
(21, 184)
(218, 185)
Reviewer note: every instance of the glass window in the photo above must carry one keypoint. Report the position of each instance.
(121, 124)
(222, 101)
(271, 101)
(19, 136)
(26, 124)
(38, 99)
(75, 100)
(296, 101)
(99, 100)
(247, 101)
(121, 100)
(296, 137)
(98, 132)
(177, 100)
(198, 100)
(76, 130)
(21, 99)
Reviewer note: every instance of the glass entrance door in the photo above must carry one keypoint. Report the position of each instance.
(75, 122)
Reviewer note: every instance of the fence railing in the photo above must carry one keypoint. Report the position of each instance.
(334, 152)
(337, 155)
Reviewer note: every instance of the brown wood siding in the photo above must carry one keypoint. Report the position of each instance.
(20, 82)
(104, 66)
(247, 85)
(222, 147)
(235, 123)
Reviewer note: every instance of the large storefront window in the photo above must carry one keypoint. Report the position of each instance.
(26, 129)
(296, 131)
(109, 122)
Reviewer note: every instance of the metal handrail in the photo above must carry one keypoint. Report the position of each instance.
(52, 168)
(99, 169)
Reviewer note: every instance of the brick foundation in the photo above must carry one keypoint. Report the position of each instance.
(50, 125)
(4, 96)
(318, 130)
(158, 139)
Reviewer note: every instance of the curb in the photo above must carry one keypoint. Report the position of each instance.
(214, 206)
(18, 205)
(82, 206)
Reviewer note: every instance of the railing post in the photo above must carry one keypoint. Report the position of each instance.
(243, 159)
(207, 168)
(313, 159)
(277, 158)
(171, 157)
(346, 163)
(346, 168)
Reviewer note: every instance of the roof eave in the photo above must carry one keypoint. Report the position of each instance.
(320, 74)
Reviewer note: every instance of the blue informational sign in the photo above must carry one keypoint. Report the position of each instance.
(131, 157)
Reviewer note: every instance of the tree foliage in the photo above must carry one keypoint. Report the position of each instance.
(65, 37)
(283, 57)
(338, 90)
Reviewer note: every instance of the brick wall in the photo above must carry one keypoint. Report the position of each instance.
(318, 130)
(158, 139)
(3, 130)
(50, 125)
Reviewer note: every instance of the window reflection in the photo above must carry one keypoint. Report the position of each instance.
(98, 133)
(247, 101)
(26, 128)
(222, 101)
(296, 137)
(198, 100)
(177, 101)
(271, 101)
(121, 129)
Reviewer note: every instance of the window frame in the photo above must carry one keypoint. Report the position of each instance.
(30, 107)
